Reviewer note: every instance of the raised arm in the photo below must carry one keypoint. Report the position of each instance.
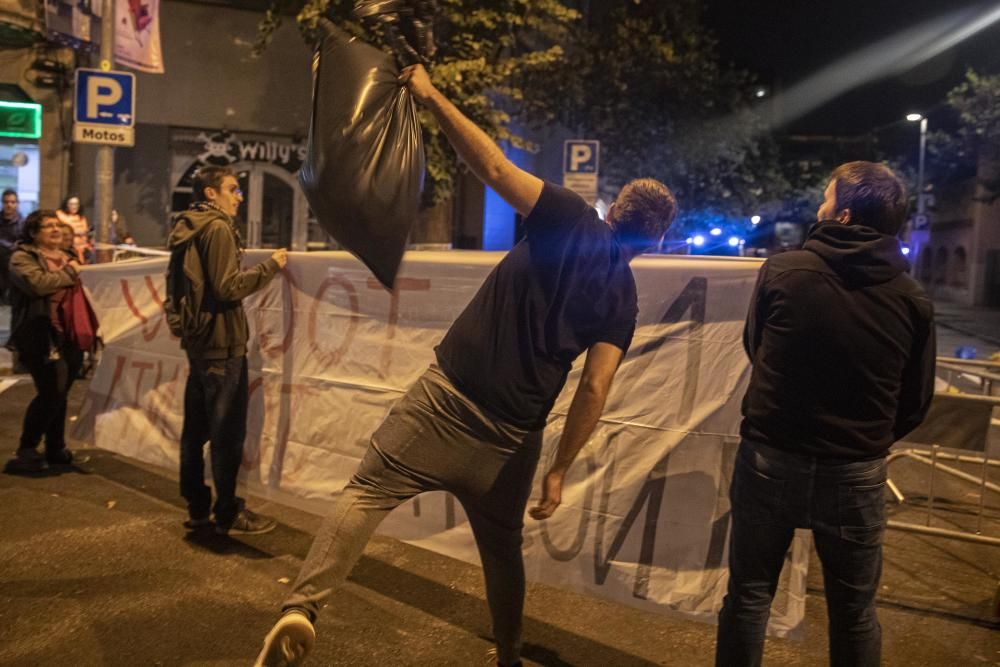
(516, 186)
(584, 412)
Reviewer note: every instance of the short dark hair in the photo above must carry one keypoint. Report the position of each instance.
(643, 212)
(874, 194)
(33, 223)
(209, 177)
(8, 191)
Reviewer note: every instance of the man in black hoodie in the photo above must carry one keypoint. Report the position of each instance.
(842, 345)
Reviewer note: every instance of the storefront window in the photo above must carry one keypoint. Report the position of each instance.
(19, 171)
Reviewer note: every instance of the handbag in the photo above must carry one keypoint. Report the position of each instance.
(79, 321)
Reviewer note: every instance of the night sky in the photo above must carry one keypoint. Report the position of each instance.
(784, 41)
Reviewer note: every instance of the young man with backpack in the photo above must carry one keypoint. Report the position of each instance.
(205, 289)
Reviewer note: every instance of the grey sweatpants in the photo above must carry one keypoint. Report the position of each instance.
(434, 438)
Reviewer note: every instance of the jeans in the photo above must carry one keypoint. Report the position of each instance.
(46, 414)
(773, 493)
(435, 439)
(215, 411)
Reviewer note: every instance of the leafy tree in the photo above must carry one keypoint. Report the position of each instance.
(646, 81)
(968, 142)
(975, 145)
(483, 46)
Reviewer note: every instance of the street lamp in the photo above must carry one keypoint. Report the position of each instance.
(919, 232)
(913, 118)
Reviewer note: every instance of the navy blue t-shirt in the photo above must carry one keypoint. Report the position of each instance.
(562, 289)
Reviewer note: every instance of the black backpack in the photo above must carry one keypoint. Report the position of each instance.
(185, 293)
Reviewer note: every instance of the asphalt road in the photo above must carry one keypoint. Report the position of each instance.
(96, 569)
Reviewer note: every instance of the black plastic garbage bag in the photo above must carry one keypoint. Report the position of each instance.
(365, 164)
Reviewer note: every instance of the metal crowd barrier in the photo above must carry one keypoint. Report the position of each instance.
(124, 253)
(956, 432)
(932, 458)
(981, 372)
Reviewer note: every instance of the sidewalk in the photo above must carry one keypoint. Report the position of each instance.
(966, 325)
(97, 570)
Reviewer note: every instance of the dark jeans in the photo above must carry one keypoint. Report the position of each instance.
(435, 439)
(773, 493)
(46, 414)
(215, 410)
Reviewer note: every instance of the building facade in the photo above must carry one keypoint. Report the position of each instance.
(957, 257)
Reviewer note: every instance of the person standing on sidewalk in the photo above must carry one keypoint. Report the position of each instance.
(205, 289)
(72, 214)
(119, 226)
(842, 344)
(40, 274)
(10, 233)
(473, 423)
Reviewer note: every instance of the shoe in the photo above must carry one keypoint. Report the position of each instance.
(195, 524)
(247, 523)
(491, 659)
(60, 457)
(27, 460)
(289, 641)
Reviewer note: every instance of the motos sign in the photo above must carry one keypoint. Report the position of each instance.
(104, 112)
(99, 134)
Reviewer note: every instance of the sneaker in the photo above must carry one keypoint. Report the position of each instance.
(491, 659)
(27, 460)
(247, 523)
(60, 457)
(195, 524)
(289, 641)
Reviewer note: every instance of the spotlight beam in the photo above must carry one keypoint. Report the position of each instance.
(892, 55)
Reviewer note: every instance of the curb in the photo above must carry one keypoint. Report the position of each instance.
(968, 332)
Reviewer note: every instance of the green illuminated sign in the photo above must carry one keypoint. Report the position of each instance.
(20, 119)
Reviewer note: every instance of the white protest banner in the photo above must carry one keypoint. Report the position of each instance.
(645, 513)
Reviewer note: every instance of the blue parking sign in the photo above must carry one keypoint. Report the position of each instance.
(105, 98)
(580, 156)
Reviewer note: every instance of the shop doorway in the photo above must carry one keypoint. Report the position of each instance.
(274, 213)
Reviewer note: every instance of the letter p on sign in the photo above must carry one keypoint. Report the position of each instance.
(580, 154)
(101, 92)
(104, 98)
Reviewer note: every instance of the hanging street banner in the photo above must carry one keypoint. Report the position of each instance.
(104, 110)
(77, 24)
(645, 515)
(137, 35)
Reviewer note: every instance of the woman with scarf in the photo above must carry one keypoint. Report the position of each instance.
(41, 275)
